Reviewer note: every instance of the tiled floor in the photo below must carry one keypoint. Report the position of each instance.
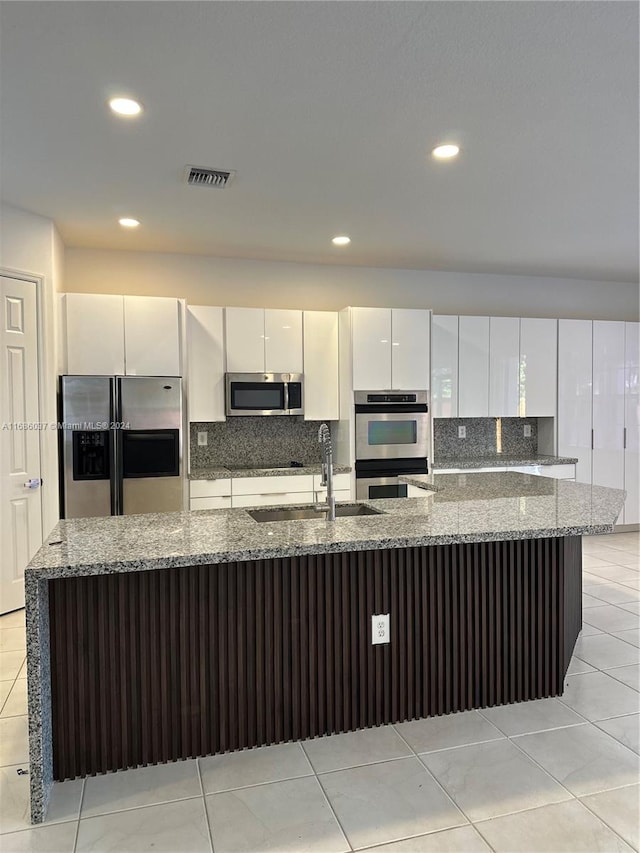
(549, 775)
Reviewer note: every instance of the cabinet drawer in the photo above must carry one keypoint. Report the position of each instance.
(209, 488)
(272, 499)
(210, 503)
(340, 481)
(271, 485)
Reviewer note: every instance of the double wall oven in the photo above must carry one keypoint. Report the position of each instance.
(392, 438)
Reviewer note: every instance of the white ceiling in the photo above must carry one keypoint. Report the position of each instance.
(328, 110)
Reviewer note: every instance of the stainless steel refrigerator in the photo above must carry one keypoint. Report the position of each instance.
(120, 445)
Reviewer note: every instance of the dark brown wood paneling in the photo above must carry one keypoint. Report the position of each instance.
(162, 665)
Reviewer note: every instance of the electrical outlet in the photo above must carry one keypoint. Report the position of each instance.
(527, 430)
(203, 439)
(462, 432)
(380, 629)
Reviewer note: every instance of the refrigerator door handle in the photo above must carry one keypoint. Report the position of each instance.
(115, 439)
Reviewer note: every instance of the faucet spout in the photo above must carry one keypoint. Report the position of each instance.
(324, 439)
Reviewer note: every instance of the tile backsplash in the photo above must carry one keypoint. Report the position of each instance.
(257, 442)
(485, 437)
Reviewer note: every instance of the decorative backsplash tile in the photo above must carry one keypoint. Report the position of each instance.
(485, 436)
(262, 442)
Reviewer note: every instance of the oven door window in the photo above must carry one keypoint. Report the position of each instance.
(392, 432)
(398, 490)
(154, 453)
(257, 396)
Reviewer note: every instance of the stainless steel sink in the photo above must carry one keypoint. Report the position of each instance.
(280, 513)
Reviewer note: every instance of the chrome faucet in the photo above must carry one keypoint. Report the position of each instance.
(324, 438)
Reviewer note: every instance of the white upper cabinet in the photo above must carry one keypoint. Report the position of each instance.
(282, 341)
(504, 367)
(574, 393)
(538, 367)
(473, 367)
(205, 345)
(371, 348)
(321, 386)
(608, 403)
(632, 424)
(93, 332)
(122, 335)
(152, 336)
(444, 366)
(244, 339)
(410, 333)
(260, 340)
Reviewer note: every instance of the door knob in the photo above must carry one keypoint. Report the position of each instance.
(33, 483)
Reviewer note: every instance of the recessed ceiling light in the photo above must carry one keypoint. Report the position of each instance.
(444, 152)
(127, 222)
(341, 240)
(125, 106)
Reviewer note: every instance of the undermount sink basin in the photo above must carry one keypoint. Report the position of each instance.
(307, 512)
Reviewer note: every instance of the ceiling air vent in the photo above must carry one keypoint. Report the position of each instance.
(200, 177)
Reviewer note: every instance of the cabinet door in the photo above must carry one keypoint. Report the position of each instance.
(632, 424)
(608, 403)
(151, 336)
(205, 366)
(94, 334)
(504, 367)
(371, 347)
(282, 341)
(575, 394)
(538, 367)
(473, 367)
(410, 334)
(321, 391)
(244, 339)
(444, 367)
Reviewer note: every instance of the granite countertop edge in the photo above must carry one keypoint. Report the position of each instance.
(497, 461)
(223, 473)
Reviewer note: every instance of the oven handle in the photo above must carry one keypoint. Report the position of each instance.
(377, 409)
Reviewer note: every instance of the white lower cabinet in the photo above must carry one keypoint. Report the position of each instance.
(209, 494)
(272, 499)
(210, 503)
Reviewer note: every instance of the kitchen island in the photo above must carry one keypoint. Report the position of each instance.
(161, 637)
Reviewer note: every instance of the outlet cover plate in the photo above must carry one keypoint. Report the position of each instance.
(380, 632)
(203, 439)
(527, 430)
(462, 432)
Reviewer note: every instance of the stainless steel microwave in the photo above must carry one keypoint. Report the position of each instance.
(264, 394)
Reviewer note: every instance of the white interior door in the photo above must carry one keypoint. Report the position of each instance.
(21, 507)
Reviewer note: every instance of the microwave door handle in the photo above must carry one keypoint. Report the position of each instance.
(286, 396)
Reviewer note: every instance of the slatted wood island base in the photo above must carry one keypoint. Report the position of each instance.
(173, 663)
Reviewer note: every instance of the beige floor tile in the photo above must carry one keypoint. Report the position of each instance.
(629, 675)
(14, 797)
(632, 584)
(611, 618)
(632, 607)
(589, 562)
(59, 838)
(388, 802)
(168, 828)
(612, 593)
(490, 779)
(625, 729)
(14, 741)
(604, 651)
(10, 664)
(16, 619)
(287, 817)
(589, 630)
(597, 696)
(562, 828)
(144, 786)
(12, 639)
(589, 601)
(618, 574)
(535, 716)
(620, 810)
(16, 704)
(576, 666)
(354, 748)
(583, 758)
(253, 767)
(632, 636)
(447, 731)
(462, 839)
(5, 690)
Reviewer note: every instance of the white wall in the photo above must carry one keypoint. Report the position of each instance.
(223, 281)
(31, 245)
